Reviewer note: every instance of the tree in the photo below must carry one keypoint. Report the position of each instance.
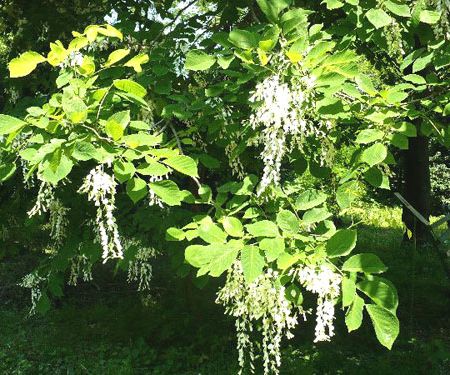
(198, 117)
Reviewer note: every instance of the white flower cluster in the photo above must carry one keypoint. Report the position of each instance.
(140, 270)
(44, 200)
(101, 189)
(261, 301)
(33, 282)
(80, 265)
(153, 199)
(73, 60)
(326, 284)
(58, 221)
(237, 168)
(283, 110)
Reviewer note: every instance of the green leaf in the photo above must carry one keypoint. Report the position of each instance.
(374, 155)
(333, 4)
(116, 56)
(114, 130)
(398, 8)
(364, 262)
(354, 316)
(430, 17)
(56, 168)
(376, 178)
(381, 292)
(44, 304)
(347, 193)
(183, 164)
(129, 86)
(137, 189)
(109, 31)
(310, 199)
(365, 83)
(415, 78)
(243, 39)
(273, 8)
(199, 255)
(406, 128)
(233, 226)
(399, 140)
(87, 67)
(84, 151)
(152, 169)
(252, 263)
(9, 124)
(199, 60)
(136, 62)
(341, 243)
(211, 233)
(167, 191)
(116, 125)
(378, 17)
(422, 62)
(316, 215)
(225, 258)
(123, 171)
(286, 260)
(225, 61)
(368, 136)
(75, 108)
(272, 248)
(263, 228)
(175, 234)
(288, 222)
(24, 64)
(386, 325)
(348, 291)
(7, 171)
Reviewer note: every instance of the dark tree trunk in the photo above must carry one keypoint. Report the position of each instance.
(417, 188)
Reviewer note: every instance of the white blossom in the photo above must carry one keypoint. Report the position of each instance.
(140, 270)
(58, 221)
(44, 200)
(33, 282)
(283, 110)
(80, 266)
(326, 284)
(261, 301)
(73, 60)
(153, 199)
(101, 189)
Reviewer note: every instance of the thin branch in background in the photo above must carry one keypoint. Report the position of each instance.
(177, 16)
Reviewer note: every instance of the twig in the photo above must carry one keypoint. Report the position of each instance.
(177, 16)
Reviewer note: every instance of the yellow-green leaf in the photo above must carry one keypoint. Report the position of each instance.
(24, 64)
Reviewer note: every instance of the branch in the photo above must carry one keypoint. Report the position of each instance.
(177, 16)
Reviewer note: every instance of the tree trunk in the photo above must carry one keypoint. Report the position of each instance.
(417, 188)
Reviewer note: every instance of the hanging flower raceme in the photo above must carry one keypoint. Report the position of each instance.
(326, 284)
(58, 221)
(140, 270)
(44, 200)
(33, 282)
(283, 110)
(153, 199)
(80, 266)
(101, 189)
(261, 301)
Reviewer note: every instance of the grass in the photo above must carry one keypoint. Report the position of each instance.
(110, 331)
